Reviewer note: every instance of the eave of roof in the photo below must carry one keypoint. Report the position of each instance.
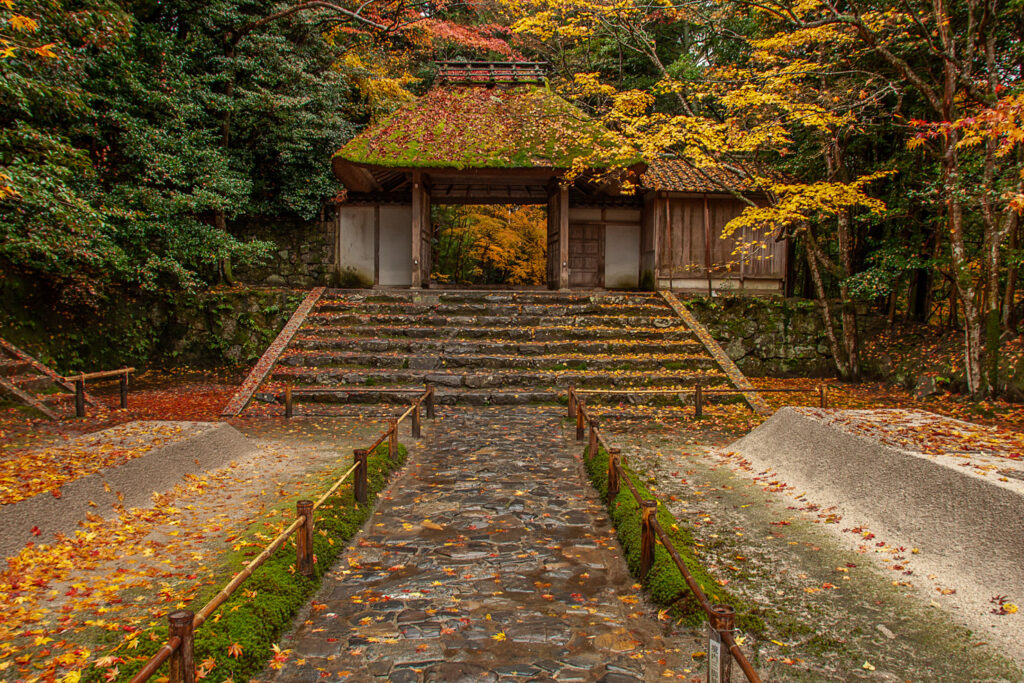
(674, 175)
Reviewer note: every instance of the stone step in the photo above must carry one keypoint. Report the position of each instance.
(496, 379)
(661, 322)
(484, 296)
(420, 346)
(474, 361)
(499, 333)
(481, 397)
(493, 309)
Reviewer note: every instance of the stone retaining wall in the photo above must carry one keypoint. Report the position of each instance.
(767, 336)
(303, 253)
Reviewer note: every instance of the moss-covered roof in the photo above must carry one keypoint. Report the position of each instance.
(479, 128)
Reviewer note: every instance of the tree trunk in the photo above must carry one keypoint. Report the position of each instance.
(823, 306)
(851, 344)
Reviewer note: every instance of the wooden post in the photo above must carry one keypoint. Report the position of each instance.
(182, 663)
(580, 408)
(647, 508)
(698, 402)
(721, 620)
(124, 391)
(592, 447)
(416, 422)
(360, 473)
(572, 402)
(416, 278)
(823, 396)
(563, 237)
(79, 398)
(393, 439)
(613, 474)
(429, 401)
(289, 402)
(304, 538)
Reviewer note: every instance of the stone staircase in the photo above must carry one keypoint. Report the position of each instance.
(489, 347)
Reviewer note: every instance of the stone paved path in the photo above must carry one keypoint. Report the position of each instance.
(491, 560)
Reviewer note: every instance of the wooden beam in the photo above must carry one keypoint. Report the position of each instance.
(354, 177)
(417, 227)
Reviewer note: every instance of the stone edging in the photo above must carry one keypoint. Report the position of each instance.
(269, 358)
(738, 379)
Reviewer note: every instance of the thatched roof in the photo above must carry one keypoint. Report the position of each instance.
(520, 127)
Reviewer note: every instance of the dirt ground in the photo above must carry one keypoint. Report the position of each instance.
(833, 612)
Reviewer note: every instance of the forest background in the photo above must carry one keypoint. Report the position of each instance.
(887, 135)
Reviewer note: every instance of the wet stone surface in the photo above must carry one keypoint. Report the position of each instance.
(489, 559)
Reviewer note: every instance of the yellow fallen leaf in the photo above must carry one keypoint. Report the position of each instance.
(868, 666)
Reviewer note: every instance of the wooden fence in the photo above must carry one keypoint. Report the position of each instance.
(700, 394)
(721, 618)
(179, 648)
(121, 374)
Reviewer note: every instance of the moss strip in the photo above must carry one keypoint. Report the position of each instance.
(261, 611)
(665, 583)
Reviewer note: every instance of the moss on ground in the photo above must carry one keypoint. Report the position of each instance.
(664, 582)
(261, 611)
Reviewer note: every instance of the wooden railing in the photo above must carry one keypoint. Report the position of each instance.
(179, 648)
(700, 394)
(721, 618)
(79, 381)
(424, 401)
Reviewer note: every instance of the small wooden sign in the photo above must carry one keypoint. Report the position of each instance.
(714, 656)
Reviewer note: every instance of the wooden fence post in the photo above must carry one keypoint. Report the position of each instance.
(698, 402)
(304, 538)
(429, 401)
(647, 508)
(289, 402)
(613, 474)
(572, 402)
(393, 440)
(124, 391)
(416, 429)
(182, 664)
(79, 398)
(593, 446)
(580, 408)
(360, 481)
(721, 620)
(823, 396)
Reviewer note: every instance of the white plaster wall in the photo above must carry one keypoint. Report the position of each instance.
(355, 241)
(621, 256)
(396, 246)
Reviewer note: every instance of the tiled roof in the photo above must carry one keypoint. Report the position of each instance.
(674, 175)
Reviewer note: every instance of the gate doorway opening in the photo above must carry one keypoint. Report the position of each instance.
(489, 245)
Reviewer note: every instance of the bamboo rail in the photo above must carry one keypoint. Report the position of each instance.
(103, 374)
(699, 392)
(720, 616)
(183, 671)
